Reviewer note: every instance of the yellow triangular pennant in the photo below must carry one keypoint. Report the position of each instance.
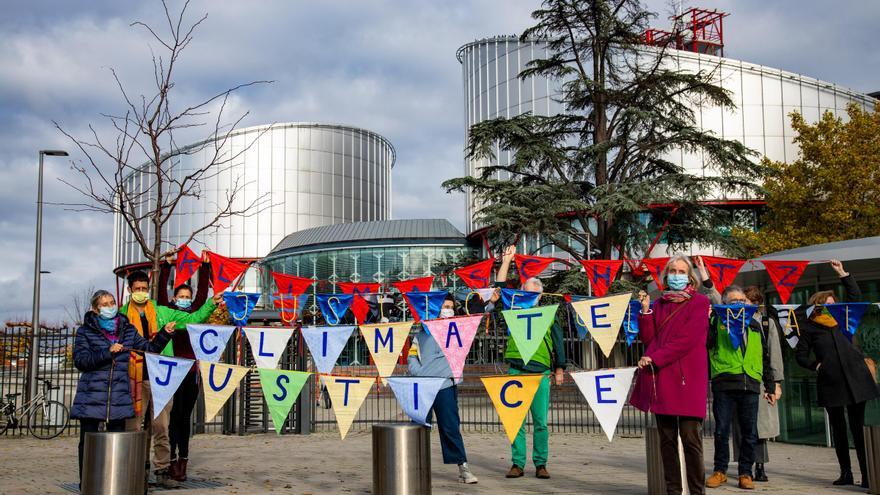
(219, 382)
(347, 393)
(512, 396)
(385, 341)
(602, 317)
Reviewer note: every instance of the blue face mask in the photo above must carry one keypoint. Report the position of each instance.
(677, 281)
(107, 312)
(184, 303)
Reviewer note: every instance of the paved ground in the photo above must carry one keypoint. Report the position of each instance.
(323, 464)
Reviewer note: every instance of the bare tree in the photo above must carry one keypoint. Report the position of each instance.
(143, 142)
(80, 303)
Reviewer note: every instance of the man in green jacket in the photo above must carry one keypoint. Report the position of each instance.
(148, 317)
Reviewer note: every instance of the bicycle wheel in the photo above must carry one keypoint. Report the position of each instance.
(5, 421)
(48, 420)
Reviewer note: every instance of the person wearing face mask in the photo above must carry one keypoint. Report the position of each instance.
(739, 375)
(101, 353)
(426, 358)
(672, 381)
(844, 380)
(180, 422)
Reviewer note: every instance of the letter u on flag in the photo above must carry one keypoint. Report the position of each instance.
(240, 305)
(166, 374)
(512, 395)
(415, 395)
(334, 306)
(848, 315)
(268, 344)
(425, 305)
(601, 274)
(347, 393)
(385, 341)
(736, 319)
(187, 264)
(289, 307)
(209, 341)
(606, 392)
(603, 317)
(218, 382)
(280, 389)
(455, 337)
(224, 270)
(519, 299)
(326, 344)
(528, 327)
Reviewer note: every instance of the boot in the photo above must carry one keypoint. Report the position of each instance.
(846, 478)
(173, 469)
(760, 475)
(164, 480)
(181, 469)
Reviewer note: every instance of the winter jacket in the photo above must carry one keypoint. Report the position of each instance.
(103, 388)
(430, 361)
(768, 415)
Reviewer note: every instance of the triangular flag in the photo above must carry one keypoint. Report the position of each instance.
(359, 306)
(476, 276)
(631, 322)
(289, 307)
(601, 274)
(848, 315)
(187, 264)
(414, 285)
(290, 284)
(512, 397)
(166, 374)
(579, 324)
(454, 336)
(280, 389)
(325, 345)
(531, 266)
(603, 317)
(528, 327)
(425, 305)
(209, 341)
(736, 319)
(485, 294)
(606, 392)
(519, 299)
(334, 306)
(347, 393)
(225, 270)
(722, 271)
(416, 395)
(785, 275)
(240, 305)
(655, 267)
(268, 344)
(385, 341)
(219, 382)
(785, 317)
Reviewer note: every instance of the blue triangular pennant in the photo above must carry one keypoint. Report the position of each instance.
(416, 394)
(325, 344)
(579, 324)
(848, 315)
(631, 322)
(426, 304)
(519, 299)
(334, 306)
(209, 341)
(166, 375)
(240, 305)
(736, 318)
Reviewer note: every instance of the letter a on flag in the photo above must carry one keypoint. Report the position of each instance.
(385, 341)
(787, 321)
(512, 396)
(219, 381)
(528, 327)
(347, 393)
(606, 391)
(603, 317)
(785, 275)
(280, 389)
(416, 395)
(209, 341)
(601, 273)
(326, 344)
(454, 336)
(268, 344)
(166, 374)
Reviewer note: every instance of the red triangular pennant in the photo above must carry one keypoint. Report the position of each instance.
(187, 264)
(359, 306)
(476, 276)
(601, 273)
(225, 270)
(785, 275)
(291, 285)
(414, 284)
(655, 266)
(722, 271)
(530, 266)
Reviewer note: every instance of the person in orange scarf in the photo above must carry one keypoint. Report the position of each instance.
(148, 317)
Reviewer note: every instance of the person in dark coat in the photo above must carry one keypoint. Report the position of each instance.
(843, 378)
(101, 353)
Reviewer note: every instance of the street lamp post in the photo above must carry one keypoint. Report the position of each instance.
(33, 365)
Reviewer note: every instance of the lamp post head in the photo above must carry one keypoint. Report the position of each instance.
(54, 152)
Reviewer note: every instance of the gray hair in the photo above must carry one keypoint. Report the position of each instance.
(731, 289)
(98, 295)
(535, 281)
(691, 273)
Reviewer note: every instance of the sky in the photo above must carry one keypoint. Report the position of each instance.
(388, 66)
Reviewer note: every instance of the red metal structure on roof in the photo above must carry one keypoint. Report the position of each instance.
(696, 30)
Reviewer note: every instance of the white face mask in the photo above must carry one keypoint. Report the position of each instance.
(447, 312)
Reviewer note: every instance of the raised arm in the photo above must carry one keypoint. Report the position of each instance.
(506, 259)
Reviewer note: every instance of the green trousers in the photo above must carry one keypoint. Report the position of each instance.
(540, 408)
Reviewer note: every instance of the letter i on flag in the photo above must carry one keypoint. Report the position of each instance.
(209, 341)
(848, 315)
(268, 344)
(219, 382)
(603, 317)
(326, 344)
(166, 374)
(606, 392)
(416, 395)
(512, 396)
(280, 389)
(455, 337)
(385, 341)
(347, 393)
(527, 328)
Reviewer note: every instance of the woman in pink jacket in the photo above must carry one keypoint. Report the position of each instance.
(673, 377)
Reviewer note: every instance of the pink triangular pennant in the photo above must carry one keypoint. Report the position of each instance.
(454, 336)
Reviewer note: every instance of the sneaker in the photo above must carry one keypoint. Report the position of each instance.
(465, 475)
(515, 472)
(745, 482)
(541, 472)
(164, 479)
(717, 479)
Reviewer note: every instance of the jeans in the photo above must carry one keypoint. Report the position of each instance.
(837, 418)
(690, 430)
(90, 426)
(540, 436)
(449, 425)
(181, 416)
(740, 406)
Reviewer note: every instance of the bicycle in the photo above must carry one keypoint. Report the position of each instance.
(45, 418)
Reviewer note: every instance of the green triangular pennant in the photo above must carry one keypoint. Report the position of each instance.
(528, 328)
(280, 389)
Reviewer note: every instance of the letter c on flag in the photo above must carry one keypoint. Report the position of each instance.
(202, 341)
(511, 383)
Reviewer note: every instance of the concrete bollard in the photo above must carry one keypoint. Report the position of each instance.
(401, 459)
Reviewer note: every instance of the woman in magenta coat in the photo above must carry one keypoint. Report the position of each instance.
(673, 377)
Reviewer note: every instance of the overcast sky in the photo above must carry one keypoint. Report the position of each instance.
(387, 66)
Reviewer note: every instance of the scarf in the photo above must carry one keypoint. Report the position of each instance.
(821, 317)
(109, 328)
(678, 296)
(136, 360)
